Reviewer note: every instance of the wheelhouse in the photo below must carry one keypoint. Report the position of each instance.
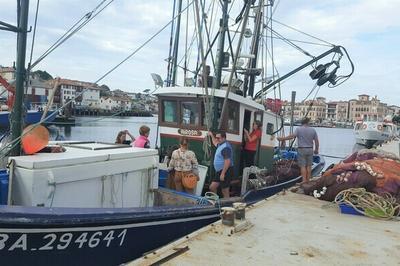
(182, 113)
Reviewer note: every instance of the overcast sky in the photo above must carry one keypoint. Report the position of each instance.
(370, 30)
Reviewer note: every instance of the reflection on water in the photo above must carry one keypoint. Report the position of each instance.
(105, 129)
(334, 142)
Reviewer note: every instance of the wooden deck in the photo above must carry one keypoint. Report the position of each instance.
(287, 229)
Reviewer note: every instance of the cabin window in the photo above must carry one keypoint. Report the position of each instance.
(190, 113)
(233, 116)
(270, 128)
(258, 117)
(170, 111)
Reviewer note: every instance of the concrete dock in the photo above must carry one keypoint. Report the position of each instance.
(392, 146)
(287, 229)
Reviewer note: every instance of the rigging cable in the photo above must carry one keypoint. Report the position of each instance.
(72, 30)
(302, 32)
(34, 33)
(169, 70)
(15, 141)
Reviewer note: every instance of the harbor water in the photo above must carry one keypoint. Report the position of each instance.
(334, 142)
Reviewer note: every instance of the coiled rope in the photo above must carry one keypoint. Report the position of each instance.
(370, 204)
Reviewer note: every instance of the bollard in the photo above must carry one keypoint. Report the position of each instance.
(240, 210)
(228, 216)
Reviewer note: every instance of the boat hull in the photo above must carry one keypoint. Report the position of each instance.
(107, 236)
(99, 240)
(31, 117)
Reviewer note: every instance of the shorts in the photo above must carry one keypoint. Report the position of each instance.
(305, 156)
(227, 180)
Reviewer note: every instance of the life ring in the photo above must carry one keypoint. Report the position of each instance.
(380, 127)
(364, 126)
(189, 181)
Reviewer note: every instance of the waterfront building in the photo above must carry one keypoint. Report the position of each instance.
(111, 103)
(394, 110)
(316, 109)
(83, 94)
(366, 108)
(37, 93)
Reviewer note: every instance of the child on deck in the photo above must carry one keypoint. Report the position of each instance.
(142, 141)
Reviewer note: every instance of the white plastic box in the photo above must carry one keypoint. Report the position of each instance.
(87, 174)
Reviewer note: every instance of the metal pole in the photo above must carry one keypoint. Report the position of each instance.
(176, 44)
(238, 48)
(16, 124)
(292, 103)
(254, 46)
(220, 57)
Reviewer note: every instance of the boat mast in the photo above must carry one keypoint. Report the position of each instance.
(252, 72)
(176, 44)
(16, 115)
(220, 56)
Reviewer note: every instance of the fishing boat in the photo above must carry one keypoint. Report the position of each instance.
(101, 203)
(370, 133)
(31, 116)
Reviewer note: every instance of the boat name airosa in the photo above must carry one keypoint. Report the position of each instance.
(189, 132)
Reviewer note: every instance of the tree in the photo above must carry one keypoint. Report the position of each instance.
(42, 75)
(105, 90)
(146, 91)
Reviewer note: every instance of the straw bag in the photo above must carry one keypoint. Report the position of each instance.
(189, 180)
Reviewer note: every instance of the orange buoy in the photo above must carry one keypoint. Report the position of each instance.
(34, 138)
(189, 181)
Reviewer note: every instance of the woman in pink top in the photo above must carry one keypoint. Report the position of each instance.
(142, 141)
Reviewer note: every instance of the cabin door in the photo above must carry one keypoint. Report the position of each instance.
(246, 125)
(258, 116)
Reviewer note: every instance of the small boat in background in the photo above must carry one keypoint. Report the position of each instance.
(31, 117)
(370, 133)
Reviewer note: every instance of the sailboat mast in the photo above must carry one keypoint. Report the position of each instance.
(176, 44)
(16, 115)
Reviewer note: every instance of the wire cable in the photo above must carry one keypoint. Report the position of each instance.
(72, 30)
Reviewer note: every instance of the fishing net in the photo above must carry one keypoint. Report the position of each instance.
(376, 171)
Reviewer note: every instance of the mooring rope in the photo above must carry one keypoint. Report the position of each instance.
(370, 204)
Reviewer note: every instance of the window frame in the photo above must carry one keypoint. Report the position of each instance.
(179, 123)
(202, 125)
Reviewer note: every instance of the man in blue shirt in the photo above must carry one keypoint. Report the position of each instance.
(307, 142)
(223, 163)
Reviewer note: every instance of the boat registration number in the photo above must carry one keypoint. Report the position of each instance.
(61, 241)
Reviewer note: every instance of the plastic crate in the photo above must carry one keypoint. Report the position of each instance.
(162, 177)
(344, 208)
(3, 187)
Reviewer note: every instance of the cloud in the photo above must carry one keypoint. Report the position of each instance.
(368, 29)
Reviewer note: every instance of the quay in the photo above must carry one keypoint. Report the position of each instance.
(392, 146)
(287, 229)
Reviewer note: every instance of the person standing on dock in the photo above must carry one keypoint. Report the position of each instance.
(307, 140)
(223, 163)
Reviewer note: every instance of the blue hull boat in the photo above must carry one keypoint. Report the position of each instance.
(110, 236)
(31, 117)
